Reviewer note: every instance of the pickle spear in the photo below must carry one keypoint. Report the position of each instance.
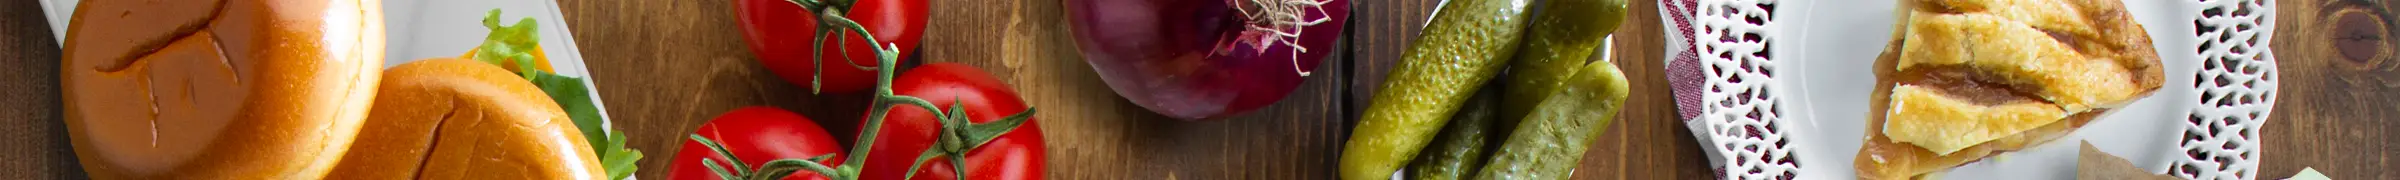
(1563, 35)
(1462, 48)
(1549, 143)
(1459, 151)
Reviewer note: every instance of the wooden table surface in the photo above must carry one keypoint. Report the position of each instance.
(666, 66)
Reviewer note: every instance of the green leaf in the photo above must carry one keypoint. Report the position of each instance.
(513, 44)
(620, 163)
(779, 168)
(573, 97)
(959, 164)
(929, 154)
(721, 173)
(955, 137)
(738, 166)
(985, 132)
(820, 157)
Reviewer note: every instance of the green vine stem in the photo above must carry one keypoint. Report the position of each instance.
(958, 135)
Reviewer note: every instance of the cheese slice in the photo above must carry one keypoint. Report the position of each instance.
(1943, 124)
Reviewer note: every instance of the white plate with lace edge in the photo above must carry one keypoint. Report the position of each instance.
(2202, 124)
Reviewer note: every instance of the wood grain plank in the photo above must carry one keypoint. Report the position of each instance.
(1649, 140)
(1382, 30)
(2340, 74)
(33, 133)
(665, 67)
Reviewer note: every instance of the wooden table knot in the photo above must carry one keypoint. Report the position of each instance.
(2360, 34)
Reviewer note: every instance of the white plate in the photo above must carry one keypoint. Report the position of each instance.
(1824, 48)
(1837, 46)
(418, 29)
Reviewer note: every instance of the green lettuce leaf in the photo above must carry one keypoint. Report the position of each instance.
(512, 44)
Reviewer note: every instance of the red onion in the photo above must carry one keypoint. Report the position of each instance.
(1205, 59)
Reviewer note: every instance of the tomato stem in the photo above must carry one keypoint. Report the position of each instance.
(958, 134)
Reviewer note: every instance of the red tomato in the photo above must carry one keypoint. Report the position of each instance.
(909, 130)
(756, 134)
(783, 36)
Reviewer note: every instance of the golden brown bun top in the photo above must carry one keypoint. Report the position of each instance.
(218, 89)
(465, 119)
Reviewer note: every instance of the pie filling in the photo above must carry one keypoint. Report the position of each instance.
(1948, 108)
(1977, 86)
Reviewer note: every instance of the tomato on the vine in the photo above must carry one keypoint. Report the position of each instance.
(756, 134)
(783, 36)
(909, 130)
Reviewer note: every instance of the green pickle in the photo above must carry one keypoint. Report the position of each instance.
(1551, 141)
(1460, 149)
(1463, 47)
(1563, 36)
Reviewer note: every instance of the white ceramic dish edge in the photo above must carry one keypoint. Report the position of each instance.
(2237, 95)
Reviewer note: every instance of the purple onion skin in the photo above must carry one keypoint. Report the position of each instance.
(1165, 54)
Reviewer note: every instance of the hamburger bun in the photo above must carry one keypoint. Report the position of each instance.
(218, 89)
(464, 119)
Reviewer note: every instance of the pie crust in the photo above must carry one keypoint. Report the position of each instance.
(1965, 79)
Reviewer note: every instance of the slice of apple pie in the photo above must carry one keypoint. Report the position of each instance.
(1964, 79)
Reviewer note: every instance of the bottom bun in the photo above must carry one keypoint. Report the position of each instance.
(464, 119)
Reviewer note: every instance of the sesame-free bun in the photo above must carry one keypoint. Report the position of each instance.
(464, 119)
(219, 89)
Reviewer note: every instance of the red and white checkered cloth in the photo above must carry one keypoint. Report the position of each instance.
(1684, 75)
(1687, 77)
(1683, 66)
